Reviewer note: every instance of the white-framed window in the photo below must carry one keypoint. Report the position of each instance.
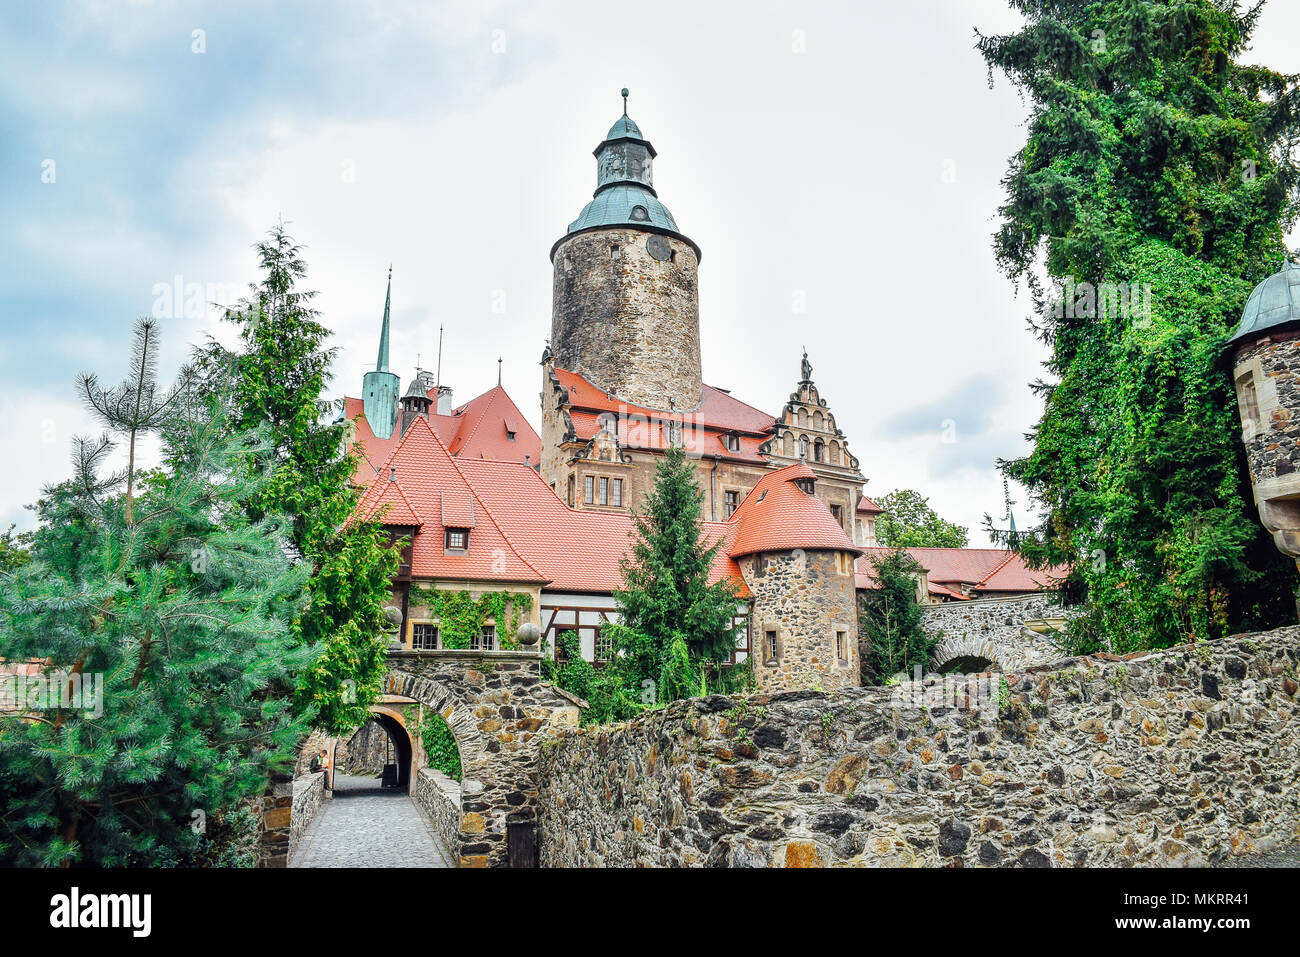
(771, 647)
(485, 640)
(842, 646)
(618, 492)
(604, 646)
(424, 636)
(457, 539)
(589, 490)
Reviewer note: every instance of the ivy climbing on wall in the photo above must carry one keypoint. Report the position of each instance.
(440, 748)
(461, 615)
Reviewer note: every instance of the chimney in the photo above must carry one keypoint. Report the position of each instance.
(444, 400)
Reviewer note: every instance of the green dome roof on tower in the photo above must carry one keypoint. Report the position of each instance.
(625, 193)
(1274, 304)
(624, 127)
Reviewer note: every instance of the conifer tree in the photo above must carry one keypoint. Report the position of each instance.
(889, 621)
(280, 376)
(676, 629)
(155, 605)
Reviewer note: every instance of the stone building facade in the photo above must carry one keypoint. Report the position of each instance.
(1264, 355)
(804, 620)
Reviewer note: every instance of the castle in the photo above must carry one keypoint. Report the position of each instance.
(489, 505)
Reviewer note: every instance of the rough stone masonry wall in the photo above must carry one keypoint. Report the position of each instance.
(993, 628)
(308, 795)
(440, 797)
(629, 323)
(1273, 448)
(804, 597)
(365, 752)
(1180, 757)
(499, 710)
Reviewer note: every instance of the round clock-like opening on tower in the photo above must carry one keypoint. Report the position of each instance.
(658, 247)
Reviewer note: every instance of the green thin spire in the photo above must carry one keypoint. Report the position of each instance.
(381, 364)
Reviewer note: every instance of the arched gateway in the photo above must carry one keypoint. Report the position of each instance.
(500, 711)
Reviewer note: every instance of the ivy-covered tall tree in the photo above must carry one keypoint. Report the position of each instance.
(280, 376)
(1156, 185)
(158, 607)
(908, 521)
(889, 621)
(676, 629)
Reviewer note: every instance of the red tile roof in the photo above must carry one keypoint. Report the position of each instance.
(868, 507)
(478, 429)
(639, 426)
(391, 506)
(428, 477)
(577, 549)
(777, 515)
(982, 570)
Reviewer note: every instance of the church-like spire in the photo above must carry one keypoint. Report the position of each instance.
(381, 363)
(379, 389)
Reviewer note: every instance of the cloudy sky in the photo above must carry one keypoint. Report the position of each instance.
(842, 155)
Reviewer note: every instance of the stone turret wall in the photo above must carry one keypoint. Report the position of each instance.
(805, 597)
(627, 321)
(1184, 757)
(1273, 438)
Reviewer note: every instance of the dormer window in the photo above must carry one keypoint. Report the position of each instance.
(457, 540)
(731, 441)
(639, 214)
(510, 435)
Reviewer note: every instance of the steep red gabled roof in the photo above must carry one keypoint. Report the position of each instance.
(777, 515)
(478, 429)
(868, 507)
(485, 426)
(427, 478)
(577, 549)
(390, 506)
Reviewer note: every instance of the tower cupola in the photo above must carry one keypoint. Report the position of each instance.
(625, 305)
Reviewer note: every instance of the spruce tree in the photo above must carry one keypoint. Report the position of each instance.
(281, 372)
(889, 621)
(156, 596)
(676, 628)
(1156, 186)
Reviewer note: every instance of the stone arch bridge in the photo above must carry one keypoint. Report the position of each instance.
(995, 634)
(498, 709)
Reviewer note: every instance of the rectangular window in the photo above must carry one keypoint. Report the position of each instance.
(604, 646)
(589, 490)
(769, 647)
(486, 639)
(571, 496)
(604, 490)
(760, 566)
(837, 513)
(732, 501)
(510, 436)
(457, 539)
(424, 636)
(618, 491)
(842, 646)
(732, 441)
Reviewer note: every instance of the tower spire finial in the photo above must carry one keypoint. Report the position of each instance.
(499, 359)
(381, 363)
(625, 101)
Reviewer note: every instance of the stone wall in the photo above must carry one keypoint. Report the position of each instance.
(308, 795)
(993, 629)
(626, 321)
(804, 597)
(1267, 377)
(365, 752)
(499, 710)
(1181, 757)
(440, 798)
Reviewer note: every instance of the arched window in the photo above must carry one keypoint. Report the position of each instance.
(803, 447)
(835, 453)
(787, 444)
(817, 421)
(803, 418)
(819, 451)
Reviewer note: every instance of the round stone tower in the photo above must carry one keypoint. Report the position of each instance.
(1264, 354)
(625, 308)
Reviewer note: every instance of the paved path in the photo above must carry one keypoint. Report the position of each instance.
(366, 826)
